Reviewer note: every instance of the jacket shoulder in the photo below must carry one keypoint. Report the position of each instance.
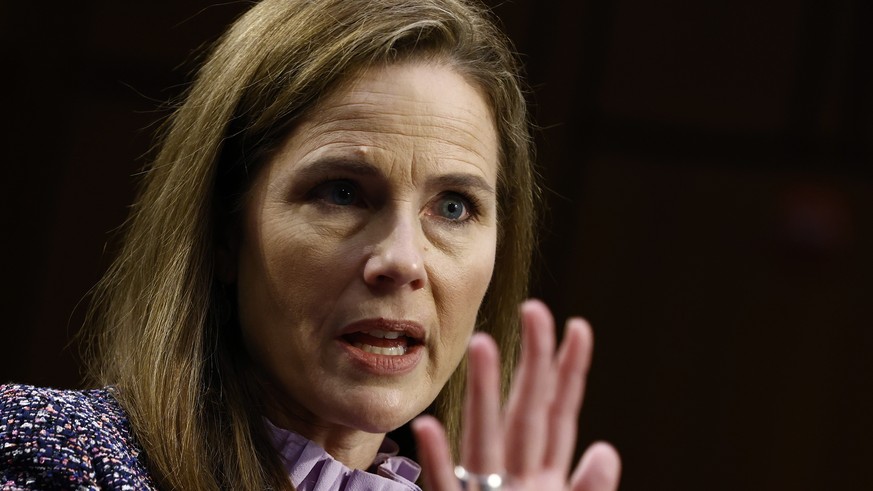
(66, 439)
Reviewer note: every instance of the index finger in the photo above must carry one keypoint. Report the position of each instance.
(433, 450)
(482, 439)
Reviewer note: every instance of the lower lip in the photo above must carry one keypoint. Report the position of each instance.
(384, 364)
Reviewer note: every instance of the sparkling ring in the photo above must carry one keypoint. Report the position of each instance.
(478, 482)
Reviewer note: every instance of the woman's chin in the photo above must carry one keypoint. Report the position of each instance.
(382, 420)
(378, 412)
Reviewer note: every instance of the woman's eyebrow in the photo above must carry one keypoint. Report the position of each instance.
(463, 181)
(337, 165)
(346, 166)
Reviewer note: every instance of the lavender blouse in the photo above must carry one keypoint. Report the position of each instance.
(311, 468)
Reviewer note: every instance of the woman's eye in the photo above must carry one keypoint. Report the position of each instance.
(340, 193)
(452, 207)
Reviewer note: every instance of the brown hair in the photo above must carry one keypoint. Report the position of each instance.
(161, 326)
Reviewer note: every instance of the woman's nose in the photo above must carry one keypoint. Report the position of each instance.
(398, 257)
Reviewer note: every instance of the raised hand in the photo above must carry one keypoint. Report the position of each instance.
(530, 442)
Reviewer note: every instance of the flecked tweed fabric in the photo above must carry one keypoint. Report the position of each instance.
(64, 439)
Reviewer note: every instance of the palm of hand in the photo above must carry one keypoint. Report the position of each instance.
(533, 438)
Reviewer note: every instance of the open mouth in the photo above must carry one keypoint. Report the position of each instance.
(382, 342)
(384, 346)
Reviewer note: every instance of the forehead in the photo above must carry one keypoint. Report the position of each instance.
(424, 111)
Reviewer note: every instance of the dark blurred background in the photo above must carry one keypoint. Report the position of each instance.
(710, 192)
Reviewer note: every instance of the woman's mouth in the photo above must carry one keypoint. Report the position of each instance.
(379, 342)
(384, 346)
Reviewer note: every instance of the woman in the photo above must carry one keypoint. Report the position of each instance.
(344, 196)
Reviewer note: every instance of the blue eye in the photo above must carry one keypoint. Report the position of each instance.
(453, 207)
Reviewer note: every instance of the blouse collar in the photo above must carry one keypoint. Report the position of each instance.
(311, 468)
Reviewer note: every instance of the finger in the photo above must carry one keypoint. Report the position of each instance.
(532, 391)
(598, 470)
(482, 440)
(434, 453)
(574, 357)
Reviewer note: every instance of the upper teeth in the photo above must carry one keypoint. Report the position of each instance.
(376, 333)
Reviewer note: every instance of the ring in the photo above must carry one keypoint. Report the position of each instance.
(478, 482)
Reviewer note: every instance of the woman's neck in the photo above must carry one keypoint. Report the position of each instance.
(356, 449)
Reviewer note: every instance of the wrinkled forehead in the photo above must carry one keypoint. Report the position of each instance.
(403, 104)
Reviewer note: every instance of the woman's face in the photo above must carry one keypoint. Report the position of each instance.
(367, 246)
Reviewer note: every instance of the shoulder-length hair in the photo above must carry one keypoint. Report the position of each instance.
(161, 325)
